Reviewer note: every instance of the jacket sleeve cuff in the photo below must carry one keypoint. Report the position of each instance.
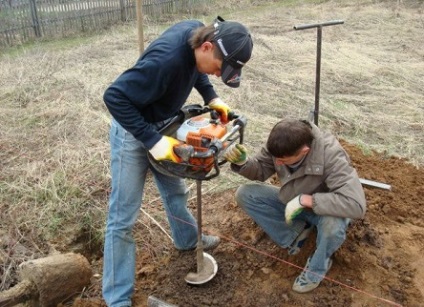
(236, 168)
(314, 203)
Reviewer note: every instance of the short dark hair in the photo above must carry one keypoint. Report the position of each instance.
(288, 136)
(205, 34)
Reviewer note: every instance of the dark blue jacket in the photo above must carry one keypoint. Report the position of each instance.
(158, 85)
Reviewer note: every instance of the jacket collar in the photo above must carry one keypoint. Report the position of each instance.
(314, 162)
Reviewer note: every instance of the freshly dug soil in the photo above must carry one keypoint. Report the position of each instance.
(380, 263)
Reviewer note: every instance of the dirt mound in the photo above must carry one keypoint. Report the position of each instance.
(380, 263)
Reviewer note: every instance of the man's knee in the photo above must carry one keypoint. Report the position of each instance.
(244, 194)
(334, 227)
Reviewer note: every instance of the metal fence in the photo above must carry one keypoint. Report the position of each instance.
(25, 20)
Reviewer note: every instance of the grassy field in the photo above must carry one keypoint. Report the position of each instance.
(54, 151)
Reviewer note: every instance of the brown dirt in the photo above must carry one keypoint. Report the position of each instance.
(380, 263)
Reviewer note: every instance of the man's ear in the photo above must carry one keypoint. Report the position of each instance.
(305, 149)
(207, 46)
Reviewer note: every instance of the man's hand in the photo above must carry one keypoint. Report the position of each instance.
(164, 149)
(293, 209)
(236, 154)
(221, 107)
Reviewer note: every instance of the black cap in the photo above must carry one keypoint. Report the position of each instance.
(235, 44)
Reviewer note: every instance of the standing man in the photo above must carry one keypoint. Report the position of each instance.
(141, 101)
(319, 187)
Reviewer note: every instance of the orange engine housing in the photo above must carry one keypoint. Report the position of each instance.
(201, 139)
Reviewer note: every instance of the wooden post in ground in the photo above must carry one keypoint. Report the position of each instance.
(139, 8)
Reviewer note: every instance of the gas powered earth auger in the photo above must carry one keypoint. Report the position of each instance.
(204, 139)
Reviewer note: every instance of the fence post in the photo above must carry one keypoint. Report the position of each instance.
(122, 6)
(139, 8)
(34, 17)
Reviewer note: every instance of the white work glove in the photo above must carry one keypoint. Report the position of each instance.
(293, 209)
(164, 149)
(221, 107)
(236, 154)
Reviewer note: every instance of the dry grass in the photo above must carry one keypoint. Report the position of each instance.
(371, 75)
(54, 153)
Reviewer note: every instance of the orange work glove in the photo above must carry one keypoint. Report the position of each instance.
(221, 107)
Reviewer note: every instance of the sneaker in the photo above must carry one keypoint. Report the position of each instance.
(210, 242)
(300, 240)
(303, 284)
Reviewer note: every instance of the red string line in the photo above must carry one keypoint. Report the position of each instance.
(293, 265)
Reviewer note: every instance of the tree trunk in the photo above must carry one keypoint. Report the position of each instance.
(49, 281)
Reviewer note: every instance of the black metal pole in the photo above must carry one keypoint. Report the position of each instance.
(319, 27)
(318, 74)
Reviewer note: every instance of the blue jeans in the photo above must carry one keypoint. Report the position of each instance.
(261, 203)
(129, 166)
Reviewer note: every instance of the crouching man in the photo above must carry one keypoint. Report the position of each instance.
(319, 187)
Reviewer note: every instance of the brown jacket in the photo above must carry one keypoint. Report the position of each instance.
(326, 174)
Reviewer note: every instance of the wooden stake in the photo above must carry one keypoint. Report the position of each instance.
(139, 8)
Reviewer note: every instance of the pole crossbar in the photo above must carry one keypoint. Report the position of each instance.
(316, 25)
